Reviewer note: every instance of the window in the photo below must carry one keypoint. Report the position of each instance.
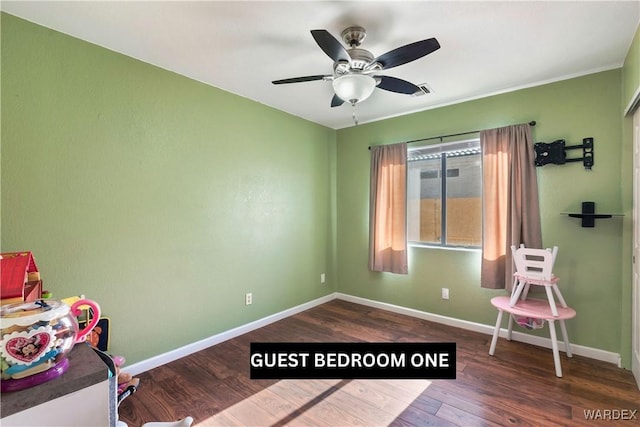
(445, 209)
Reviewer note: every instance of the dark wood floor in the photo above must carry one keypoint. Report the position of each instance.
(515, 387)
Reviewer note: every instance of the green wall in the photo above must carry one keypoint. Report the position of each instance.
(589, 259)
(162, 198)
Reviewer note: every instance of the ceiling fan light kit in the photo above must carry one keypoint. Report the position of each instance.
(354, 88)
(353, 76)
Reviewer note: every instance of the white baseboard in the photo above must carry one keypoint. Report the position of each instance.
(580, 350)
(170, 356)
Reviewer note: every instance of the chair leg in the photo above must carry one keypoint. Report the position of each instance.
(565, 337)
(496, 332)
(516, 293)
(559, 295)
(514, 287)
(510, 328)
(554, 345)
(552, 301)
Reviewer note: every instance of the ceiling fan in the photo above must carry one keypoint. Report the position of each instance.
(355, 69)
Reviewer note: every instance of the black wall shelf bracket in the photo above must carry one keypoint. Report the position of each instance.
(556, 153)
(589, 215)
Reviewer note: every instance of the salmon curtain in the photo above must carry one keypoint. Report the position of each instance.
(388, 209)
(510, 207)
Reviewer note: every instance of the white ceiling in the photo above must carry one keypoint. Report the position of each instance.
(488, 47)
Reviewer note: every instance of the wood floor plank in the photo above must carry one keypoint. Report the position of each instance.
(460, 417)
(488, 409)
(384, 400)
(516, 387)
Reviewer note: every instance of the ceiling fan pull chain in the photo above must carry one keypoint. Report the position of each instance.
(355, 118)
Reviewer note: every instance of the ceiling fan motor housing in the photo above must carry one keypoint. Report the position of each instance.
(360, 58)
(353, 36)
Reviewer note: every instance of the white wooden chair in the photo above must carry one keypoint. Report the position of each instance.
(534, 267)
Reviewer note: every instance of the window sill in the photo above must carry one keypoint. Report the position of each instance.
(447, 248)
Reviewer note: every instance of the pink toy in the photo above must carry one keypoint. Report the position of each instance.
(36, 338)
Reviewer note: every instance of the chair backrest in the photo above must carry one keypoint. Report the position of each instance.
(534, 263)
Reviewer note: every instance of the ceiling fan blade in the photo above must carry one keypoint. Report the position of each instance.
(300, 79)
(407, 53)
(336, 101)
(330, 45)
(393, 84)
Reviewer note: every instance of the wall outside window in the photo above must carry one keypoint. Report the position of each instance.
(462, 209)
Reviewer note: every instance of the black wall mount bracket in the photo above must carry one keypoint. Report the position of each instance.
(556, 153)
(588, 214)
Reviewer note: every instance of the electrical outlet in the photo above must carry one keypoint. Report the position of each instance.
(322, 278)
(445, 293)
(248, 298)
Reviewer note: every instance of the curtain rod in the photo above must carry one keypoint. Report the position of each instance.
(531, 123)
